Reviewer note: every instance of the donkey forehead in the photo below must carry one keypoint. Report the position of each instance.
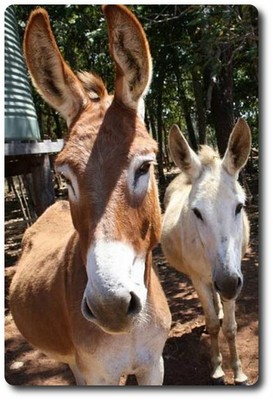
(113, 135)
(216, 186)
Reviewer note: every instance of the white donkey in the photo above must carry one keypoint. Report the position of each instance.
(206, 232)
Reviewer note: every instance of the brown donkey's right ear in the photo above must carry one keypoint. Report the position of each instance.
(52, 77)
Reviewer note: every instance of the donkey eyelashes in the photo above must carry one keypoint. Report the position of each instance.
(239, 208)
(69, 185)
(70, 180)
(138, 177)
(143, 169)
(198, 214)
(67, 180)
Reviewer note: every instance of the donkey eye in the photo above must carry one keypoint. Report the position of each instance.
(138, 177)
(238, 208)
(67, 180)
(142, 170)
(197, 213)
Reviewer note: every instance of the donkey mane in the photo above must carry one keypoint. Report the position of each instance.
(208, 156)
(92, 84)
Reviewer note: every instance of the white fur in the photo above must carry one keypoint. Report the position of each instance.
(221, 231)
(141, 108)
(204, 237)
(113, 267)
(142, 358)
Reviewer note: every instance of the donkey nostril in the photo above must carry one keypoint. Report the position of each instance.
(217, 287)
(134, 306)
(240, 283)
(86, 310)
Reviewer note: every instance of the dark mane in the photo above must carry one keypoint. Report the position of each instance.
(92, 84)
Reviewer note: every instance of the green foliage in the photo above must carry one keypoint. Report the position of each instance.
(187, 45)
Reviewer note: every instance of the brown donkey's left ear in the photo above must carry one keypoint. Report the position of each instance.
(130, 51)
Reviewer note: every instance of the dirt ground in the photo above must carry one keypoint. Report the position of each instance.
(186, 352)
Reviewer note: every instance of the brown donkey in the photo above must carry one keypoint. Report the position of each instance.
(85, 291)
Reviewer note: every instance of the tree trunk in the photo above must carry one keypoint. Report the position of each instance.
(160, 170)
(150, 123)
(186, 107)
(222, 99)
(160, 156)
(43, 190)
(200, 108)
(187, 114)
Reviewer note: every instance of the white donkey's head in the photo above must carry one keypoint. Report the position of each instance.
(218, 224)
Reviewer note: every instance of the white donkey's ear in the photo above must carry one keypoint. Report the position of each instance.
(183, 156)
(130, 51)
(51, 76)
(238, 148)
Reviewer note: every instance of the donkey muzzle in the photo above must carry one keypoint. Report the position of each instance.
(228, 286)
(114, 314)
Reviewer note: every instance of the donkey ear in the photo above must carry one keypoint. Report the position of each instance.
(238, 148)
(51, 76)
(183, 156)
(130, 51)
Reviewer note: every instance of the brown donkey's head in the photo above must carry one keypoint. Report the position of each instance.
(107, 162)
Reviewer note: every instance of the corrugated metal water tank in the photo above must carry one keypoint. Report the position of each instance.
(20, 115)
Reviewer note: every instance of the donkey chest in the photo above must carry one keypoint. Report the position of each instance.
(117, 355)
